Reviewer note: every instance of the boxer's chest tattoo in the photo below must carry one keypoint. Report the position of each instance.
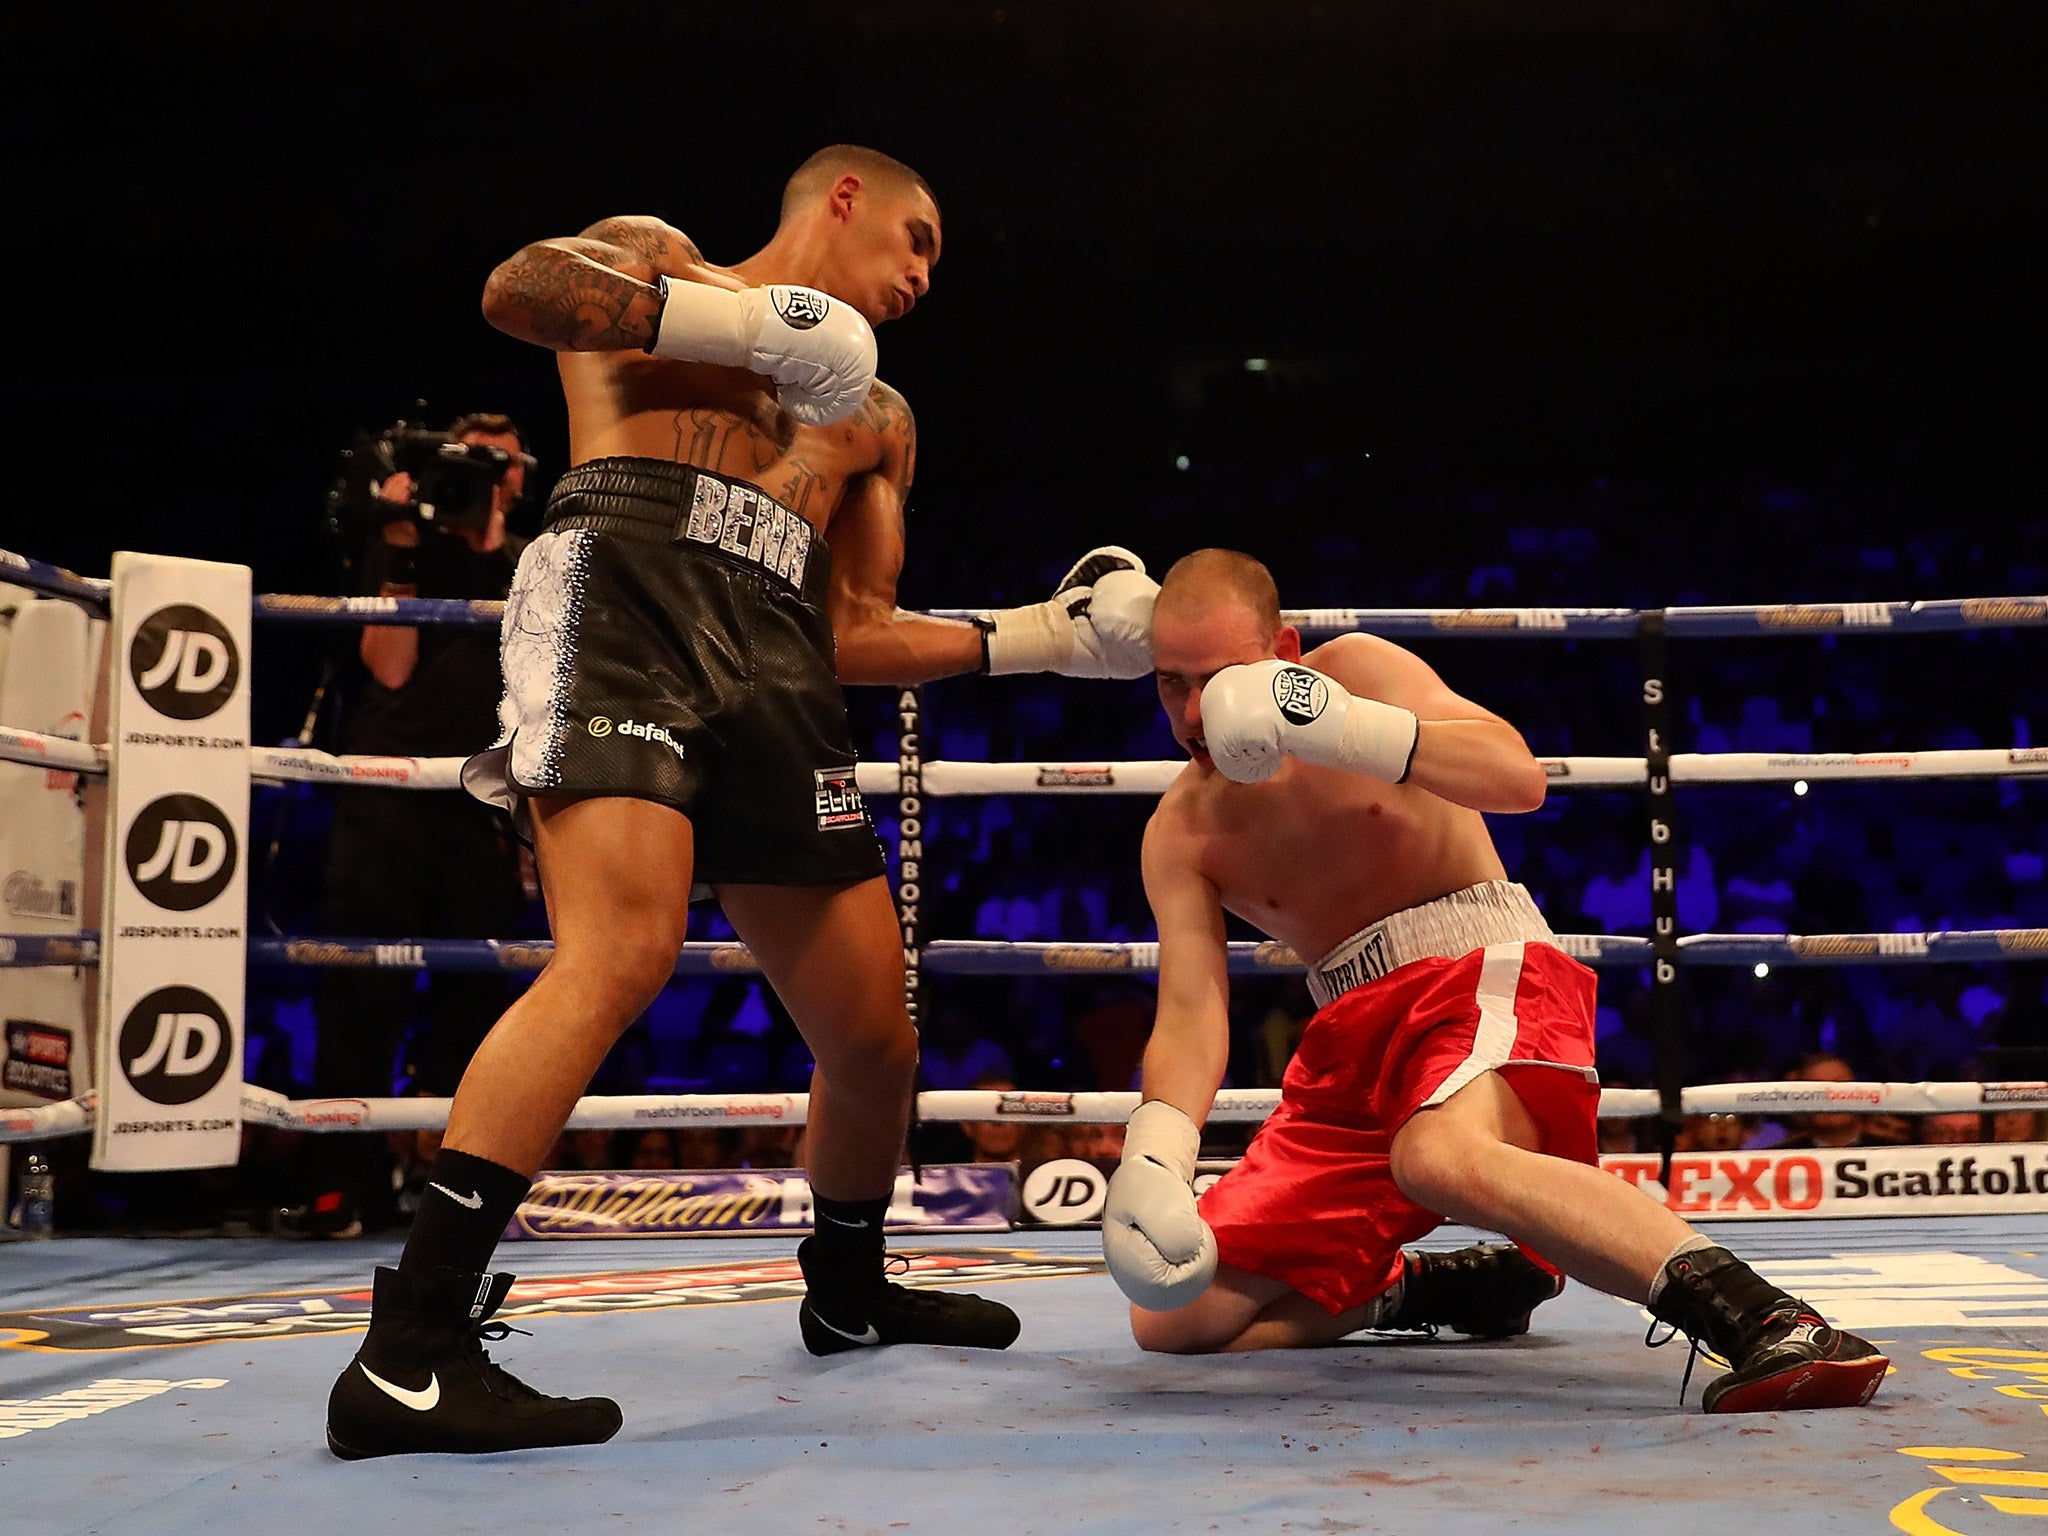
(799, 486)
(715, 440)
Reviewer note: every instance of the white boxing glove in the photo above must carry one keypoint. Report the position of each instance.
(817, 349)
(1159, 1250)
(1252, 715)
(1098, 622)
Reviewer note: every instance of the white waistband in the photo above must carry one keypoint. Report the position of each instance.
(1494, 912)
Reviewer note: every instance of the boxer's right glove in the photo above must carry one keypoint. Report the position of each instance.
(1254, 714)
(818, 350)
(1160, 1252)
(1098, 622)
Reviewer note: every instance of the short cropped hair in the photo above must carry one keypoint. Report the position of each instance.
(1207, 574)
(837, 160)
(495, 422)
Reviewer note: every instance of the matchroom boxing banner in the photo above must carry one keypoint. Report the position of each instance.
(173, 930)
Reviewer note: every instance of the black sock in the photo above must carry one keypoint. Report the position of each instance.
(463, 1211)
(849, 1230)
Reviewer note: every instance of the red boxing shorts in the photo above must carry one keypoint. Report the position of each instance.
(1313, 1203)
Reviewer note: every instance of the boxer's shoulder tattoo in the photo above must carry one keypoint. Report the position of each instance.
(887, 414)
(660, 246)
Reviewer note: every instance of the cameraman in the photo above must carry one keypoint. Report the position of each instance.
(412, 864)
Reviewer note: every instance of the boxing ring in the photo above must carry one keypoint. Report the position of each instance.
(160, 1385)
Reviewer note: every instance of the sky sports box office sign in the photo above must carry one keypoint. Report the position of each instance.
(173, 936)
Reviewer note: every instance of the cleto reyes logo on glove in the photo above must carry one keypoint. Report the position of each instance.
(1301, 694)
(800, 308)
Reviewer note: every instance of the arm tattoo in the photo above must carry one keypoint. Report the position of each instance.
(887, 414)
(573, 304)
(654, 243)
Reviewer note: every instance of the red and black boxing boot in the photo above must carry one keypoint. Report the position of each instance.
(1486, 1291)
(422, 1382)
(1783, 1354)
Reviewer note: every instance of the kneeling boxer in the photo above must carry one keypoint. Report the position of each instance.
(1335, 802)
(731, 532)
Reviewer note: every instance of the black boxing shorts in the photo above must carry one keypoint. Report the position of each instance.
(666, 639)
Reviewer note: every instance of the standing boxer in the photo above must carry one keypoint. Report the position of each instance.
(1335, 802)
(671, 716)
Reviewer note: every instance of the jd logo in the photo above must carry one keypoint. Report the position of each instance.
(175, 1045)
(184, 662)
(180, 852)
(1065, 1192)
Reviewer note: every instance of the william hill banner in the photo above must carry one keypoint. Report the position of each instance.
(961, 1198)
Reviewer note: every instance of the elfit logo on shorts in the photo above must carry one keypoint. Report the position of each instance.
(180, 852)
(175, 1045)
(839, 801)
(1300, 693)
(799, 307)
(184, 662)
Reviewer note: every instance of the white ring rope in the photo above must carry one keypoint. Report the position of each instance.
(1233, 1106)
(945, 779)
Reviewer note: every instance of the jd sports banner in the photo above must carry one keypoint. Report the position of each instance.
(173, 937)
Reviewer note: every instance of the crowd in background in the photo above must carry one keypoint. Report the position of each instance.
(1842, 857)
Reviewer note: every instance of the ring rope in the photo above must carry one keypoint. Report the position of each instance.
(995, 957)
(946, 779)
(1233, 1106)
(1935, 616)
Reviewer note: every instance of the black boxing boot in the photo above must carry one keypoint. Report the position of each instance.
(1486, 1291)
(850, 1303)
(422, 1382)
(1783, 1353)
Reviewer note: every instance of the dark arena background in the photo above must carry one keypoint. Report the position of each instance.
(1467, 307)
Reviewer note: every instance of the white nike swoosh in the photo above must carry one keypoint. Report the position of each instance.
(420, 1401)
(868, 1337)
(467, 1202)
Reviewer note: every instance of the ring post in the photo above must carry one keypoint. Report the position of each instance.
(1667, 1014)
(911, 821)
(174, 902)
(910, 828)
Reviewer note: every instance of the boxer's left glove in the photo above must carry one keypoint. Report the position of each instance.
(1159, 1250)
(1252, 715)
(1098, 622)
(819, 351)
